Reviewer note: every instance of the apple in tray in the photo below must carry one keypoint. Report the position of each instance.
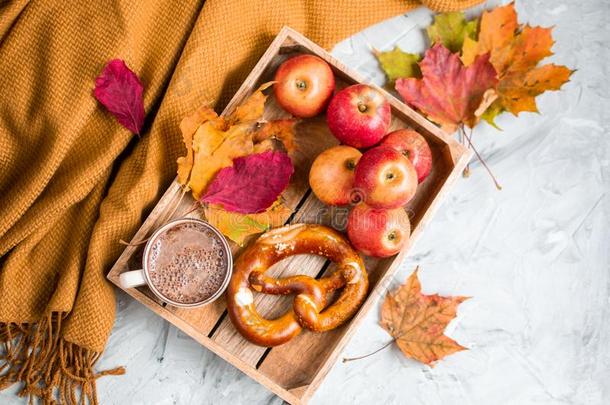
(332, 174)
(378, 232)
(304, 84)
(385, 178)
(414, 147)
(359, 116)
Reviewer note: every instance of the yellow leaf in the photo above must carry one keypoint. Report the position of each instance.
(252, 109)
(518, 90)
(238, 227)
(188, 127)
(398, 64)
(215, 149)
(450, 29)
(496, 33)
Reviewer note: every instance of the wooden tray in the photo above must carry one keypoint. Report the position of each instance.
(294, 370)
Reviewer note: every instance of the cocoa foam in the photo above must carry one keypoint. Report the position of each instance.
(187, 263)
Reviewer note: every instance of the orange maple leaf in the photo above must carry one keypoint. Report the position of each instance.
(515, 51)
(449, 93)
(417, 321)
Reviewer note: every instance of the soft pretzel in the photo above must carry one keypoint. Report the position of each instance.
(309, 306)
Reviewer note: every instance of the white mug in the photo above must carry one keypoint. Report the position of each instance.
(137, 278)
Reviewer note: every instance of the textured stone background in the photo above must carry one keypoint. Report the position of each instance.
(534, 257)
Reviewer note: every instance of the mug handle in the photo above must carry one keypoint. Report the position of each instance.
(131, 279)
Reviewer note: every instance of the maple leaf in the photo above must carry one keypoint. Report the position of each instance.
(450, 29)
(238, 227)
(214, 149)
(515, 51)
(252, 109)
(417, 322)
(397, 64)
(449, 93)
(188, 126)
(119, 90)
(252, 183)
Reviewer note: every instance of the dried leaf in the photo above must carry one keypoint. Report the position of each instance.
(281, 130)
(450, 29)
(188, 126)
(238, 227)
(518, 90)
(397, 64)
(497, 29)
(215, 149)
(515, 52)
(252, 109)
(120, 91)
(417, 321)
(252, 184)
(449, 93)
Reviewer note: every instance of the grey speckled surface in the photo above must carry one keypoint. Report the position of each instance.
(535, 257)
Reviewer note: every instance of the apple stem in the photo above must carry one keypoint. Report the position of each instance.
(346, 359)
(301, 85)
(468, 138)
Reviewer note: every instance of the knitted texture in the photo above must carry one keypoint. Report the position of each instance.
(73, 182)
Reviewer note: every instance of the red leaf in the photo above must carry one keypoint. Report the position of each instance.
(449, 93)
(120, 91)
(252, 184)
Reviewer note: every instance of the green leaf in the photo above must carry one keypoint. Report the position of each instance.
(492, 112)
(398, 64)
(450, 29)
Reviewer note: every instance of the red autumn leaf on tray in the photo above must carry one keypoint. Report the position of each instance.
(120, 91)
(252, 184)
(449, 93)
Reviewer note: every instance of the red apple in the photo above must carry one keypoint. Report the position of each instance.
(332, 174)
(378, 232)
(414, 147)
(359, 116)
(304, 85)
(385, 178)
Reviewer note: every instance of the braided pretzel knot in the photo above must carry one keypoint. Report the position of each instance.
(309, 306)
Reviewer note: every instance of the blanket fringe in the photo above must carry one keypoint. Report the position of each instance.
(49, 367)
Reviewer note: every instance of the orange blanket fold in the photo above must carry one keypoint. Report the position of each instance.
(73, 182)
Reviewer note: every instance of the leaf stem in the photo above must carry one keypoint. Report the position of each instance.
(466, 171)
(463, 132)
(346, 359)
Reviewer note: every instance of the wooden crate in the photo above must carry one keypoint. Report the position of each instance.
(294, 370)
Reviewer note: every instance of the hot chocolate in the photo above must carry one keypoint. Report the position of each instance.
(187, 263)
